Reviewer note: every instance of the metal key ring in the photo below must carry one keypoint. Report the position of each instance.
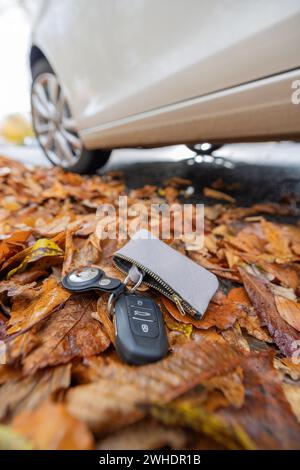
(132, 290)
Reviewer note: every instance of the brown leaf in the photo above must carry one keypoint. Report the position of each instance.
(201, 419)
(264, 402)
(287, 274)
(51, 427)
(278, 238)
(235, 338)
(146, 435)
(231, 386)
(292, 393)
(289, 311)
(214, 194)
(263, 300)
(241, 428)
(288, 367)
(8, 374)
(114, 400)
(102, 316)
(14, 244)
(222, 316)
(28, 393)
(13, 289)
(67, 334)
(25, 314)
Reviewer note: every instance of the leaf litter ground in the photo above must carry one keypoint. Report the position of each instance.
(230, 381)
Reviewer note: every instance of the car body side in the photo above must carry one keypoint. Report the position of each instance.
(147, 72)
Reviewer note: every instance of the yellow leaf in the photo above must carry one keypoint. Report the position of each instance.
(10, 440)
(196, 417)
(41, 249)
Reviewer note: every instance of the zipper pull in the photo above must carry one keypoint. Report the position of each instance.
(178, 303)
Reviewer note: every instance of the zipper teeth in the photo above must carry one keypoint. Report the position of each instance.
(170, 293)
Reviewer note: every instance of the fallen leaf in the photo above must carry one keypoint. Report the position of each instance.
(124, 388)
(240, 428)
(289, 311)
(102, 316)
(29, 392)
(13, 244)
(51, 427)
(287, 274)
(263, 300)
(214, 194)
(11, 440)
(25, 314)
(221, 316)
(146, 435)
(69, 333)
(264, 402)
(235, 338)
(186, 414)
(288, 367)
(43, 248)
(292, 393)
(278, 238)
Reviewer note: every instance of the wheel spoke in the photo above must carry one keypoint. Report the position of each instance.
(43, 128)
(65, 150)
(39, 107)
(42, 95)
(53, 89)
(61, 103)
(69, 124)
(72, 139)
(47, 141)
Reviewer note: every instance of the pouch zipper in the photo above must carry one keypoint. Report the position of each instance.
(168, 292)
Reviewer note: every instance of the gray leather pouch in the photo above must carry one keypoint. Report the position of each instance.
(187, 284)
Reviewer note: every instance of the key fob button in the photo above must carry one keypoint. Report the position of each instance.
(144, 329)
(140, 315)
(141, 312)
(140, 302)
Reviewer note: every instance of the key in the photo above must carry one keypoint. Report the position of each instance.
(140, 331)
(139, 327)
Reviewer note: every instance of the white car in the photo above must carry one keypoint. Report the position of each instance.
(127, 73)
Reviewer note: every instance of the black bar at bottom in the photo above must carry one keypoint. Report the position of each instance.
(137, 459)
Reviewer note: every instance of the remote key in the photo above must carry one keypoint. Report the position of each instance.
(140, 331)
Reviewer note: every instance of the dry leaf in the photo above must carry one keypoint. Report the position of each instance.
(214, 194)
(124, 389)
(146, 435)
(51, 427)
(25, 314)
(28, 393)
(43, 248)
(67, 334)
(263, 300)
(292, 393)
(289, 311)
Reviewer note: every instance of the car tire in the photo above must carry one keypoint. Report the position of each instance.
(61, 145)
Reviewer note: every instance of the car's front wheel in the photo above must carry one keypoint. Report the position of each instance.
(55, 127)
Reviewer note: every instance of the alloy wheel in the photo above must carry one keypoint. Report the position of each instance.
(53, 124)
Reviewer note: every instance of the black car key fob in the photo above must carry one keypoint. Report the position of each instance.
(140, 331)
